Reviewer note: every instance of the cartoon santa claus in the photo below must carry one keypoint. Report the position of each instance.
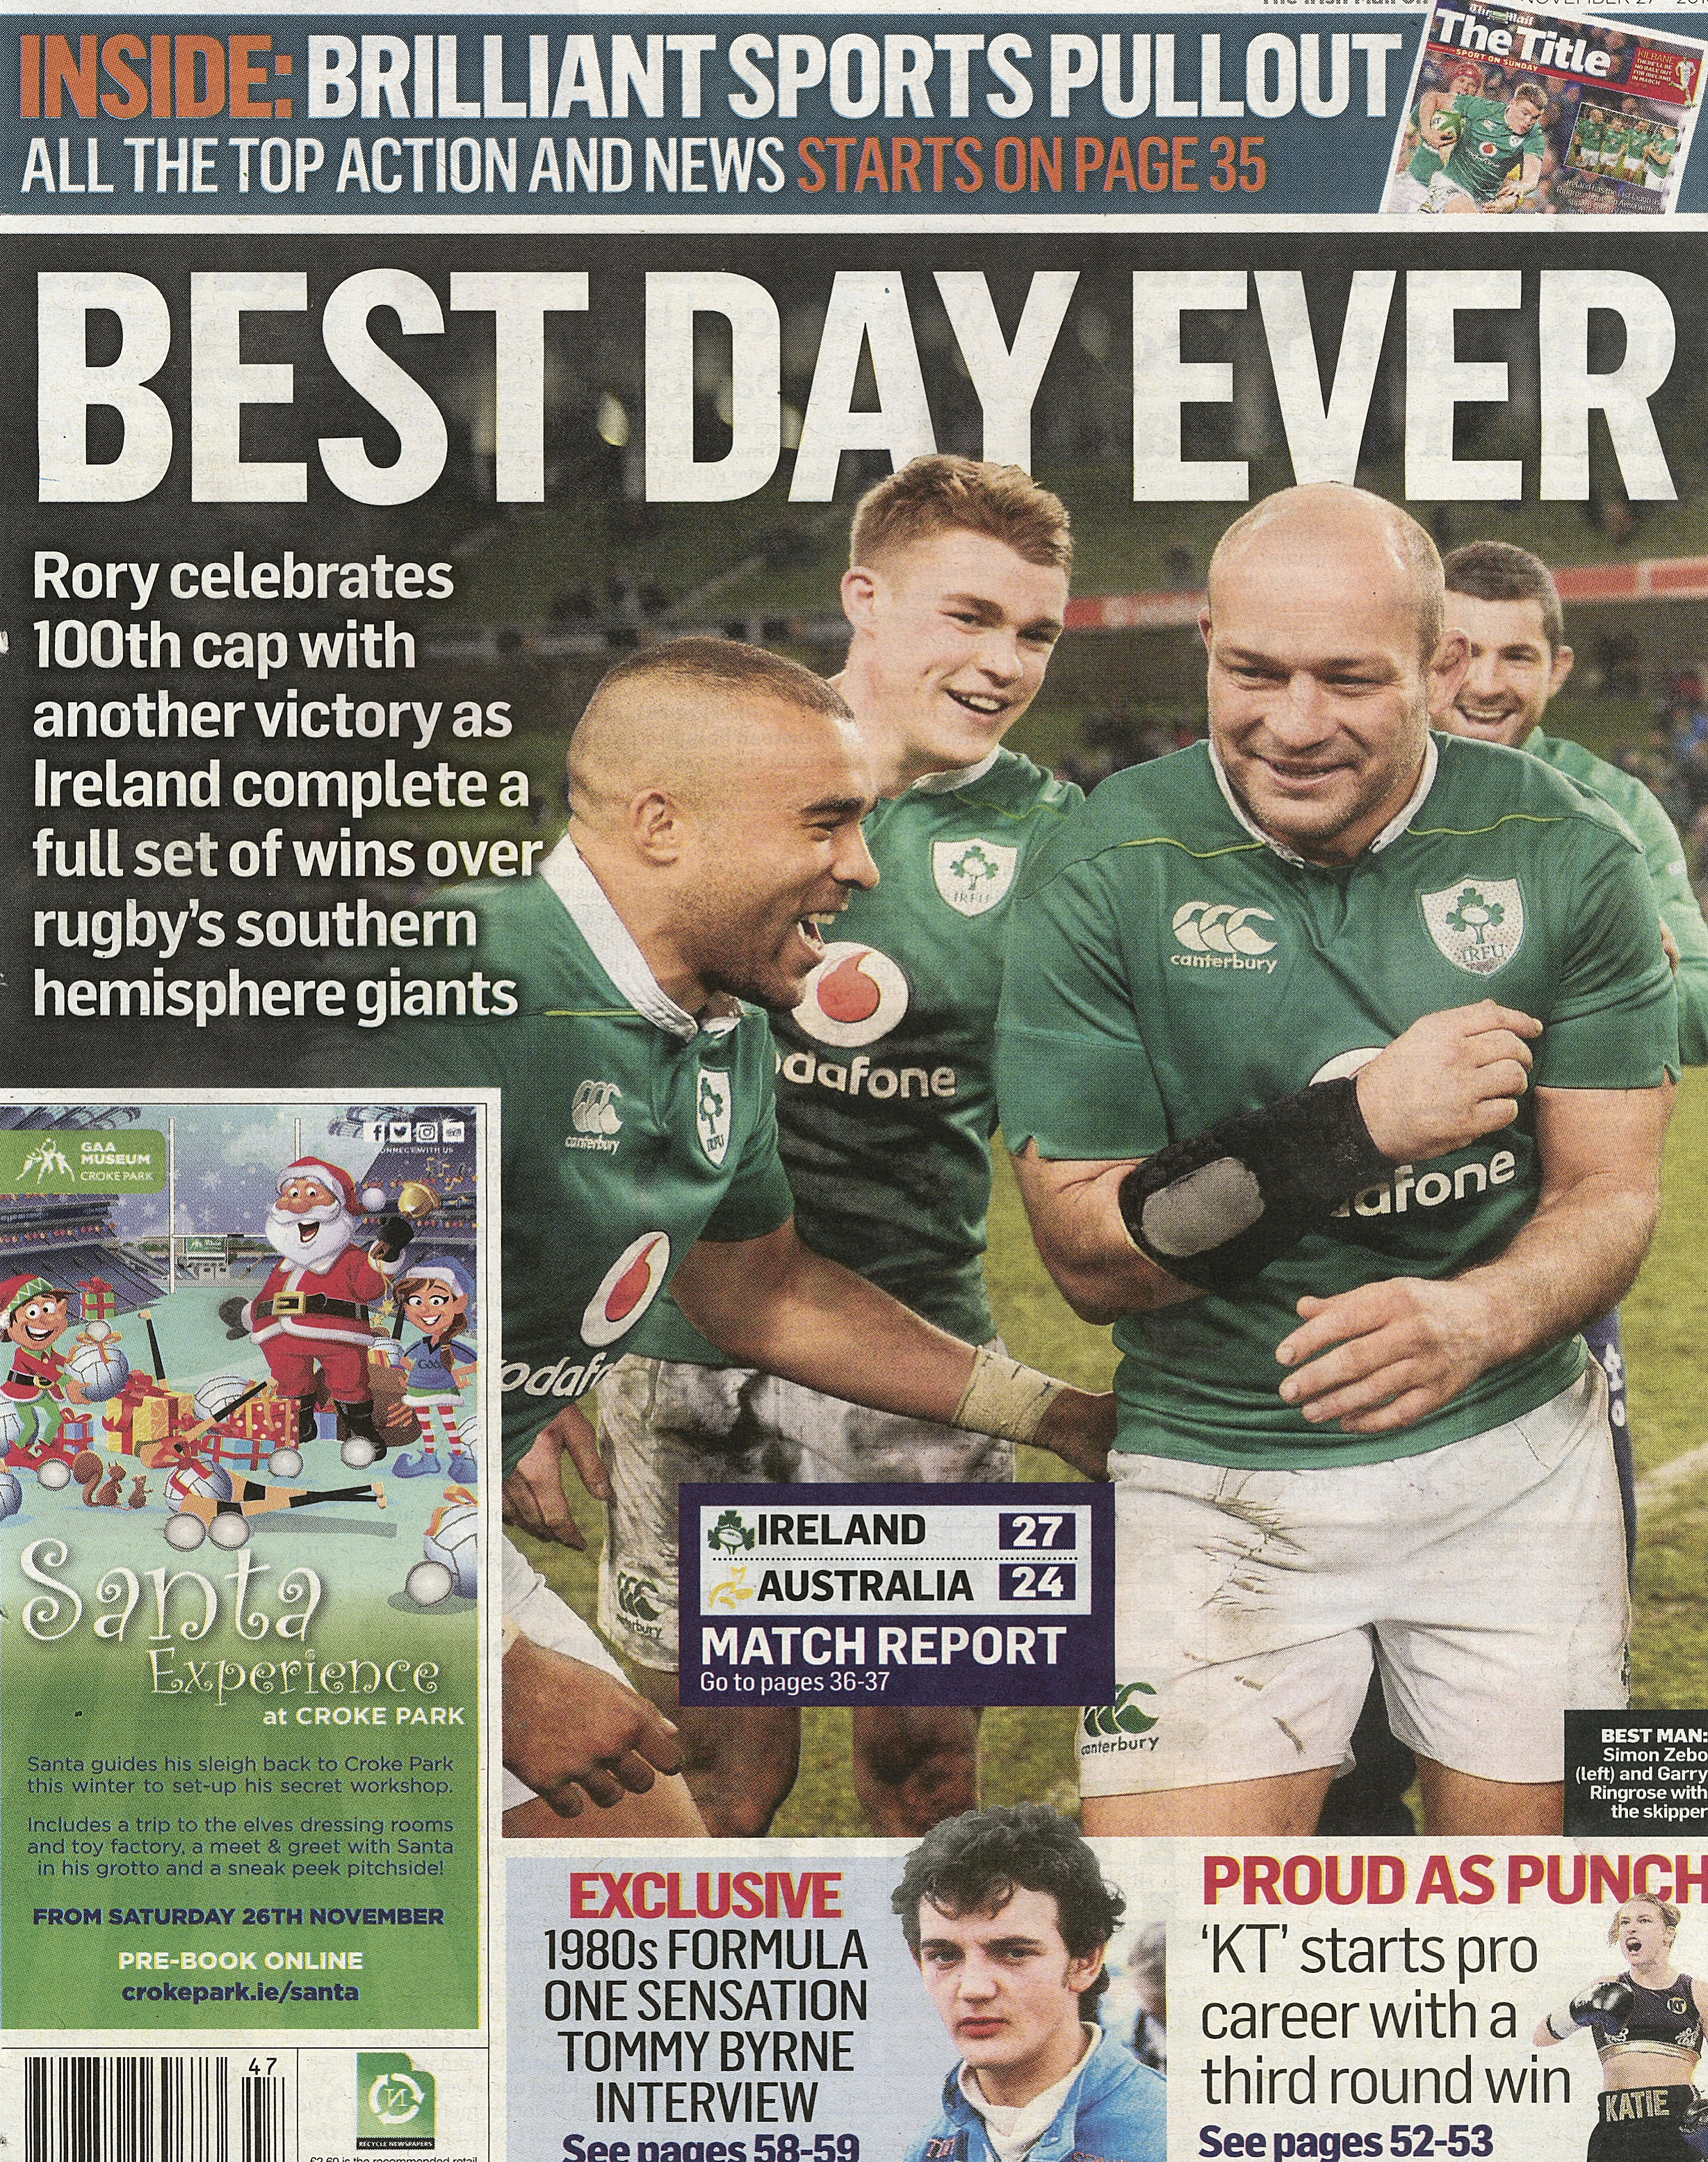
(310, 1318)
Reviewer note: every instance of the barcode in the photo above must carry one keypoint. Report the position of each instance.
(263, 2118)
(148, 2109)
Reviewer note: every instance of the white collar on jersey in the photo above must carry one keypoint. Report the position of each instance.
(1395, 827)
(614, 949)
(940, 784)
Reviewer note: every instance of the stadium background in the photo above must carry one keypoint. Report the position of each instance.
(548, 593)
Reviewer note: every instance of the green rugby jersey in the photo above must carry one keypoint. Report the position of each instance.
(1426, 160)
(1587, 137)
(630, 1131)
(1171, 968)
(1487, 148)
(1659, 154)
(886, 1100)
(1669, 874)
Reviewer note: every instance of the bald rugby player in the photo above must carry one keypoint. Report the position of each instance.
(955, 596)
(1339, 1055)
(717, 794)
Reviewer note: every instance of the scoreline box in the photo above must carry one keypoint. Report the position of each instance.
(971, 1595)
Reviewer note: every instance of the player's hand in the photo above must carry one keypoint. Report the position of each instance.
(573, 1733)
(1451, 1079)
(533, 1496)
(1079, 1428)
(1387, 1354)
(1670, 947)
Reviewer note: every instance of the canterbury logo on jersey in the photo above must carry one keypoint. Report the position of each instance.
(595, 1117)
(1219, 934)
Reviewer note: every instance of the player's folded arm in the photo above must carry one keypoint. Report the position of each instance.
(1202, 1214)
(1580, 1252)
(1074, 1209)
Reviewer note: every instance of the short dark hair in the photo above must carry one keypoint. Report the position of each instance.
(1497, 571)
(725, 664)
(941, 494)
(974, 1864)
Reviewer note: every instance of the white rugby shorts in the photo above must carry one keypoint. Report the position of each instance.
(1441, 191)
(1486, 1579)
(662, 1422)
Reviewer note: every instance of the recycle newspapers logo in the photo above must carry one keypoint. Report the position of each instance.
(396, 2105)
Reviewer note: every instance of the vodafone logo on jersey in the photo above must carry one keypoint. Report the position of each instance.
(854, 995)
(627, 1287)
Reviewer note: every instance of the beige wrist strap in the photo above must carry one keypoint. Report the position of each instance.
(1004, 1398)
(509, 1632)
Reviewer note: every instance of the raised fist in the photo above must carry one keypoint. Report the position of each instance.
(1605, 2007)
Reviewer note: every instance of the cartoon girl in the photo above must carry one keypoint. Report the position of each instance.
(436, 1297)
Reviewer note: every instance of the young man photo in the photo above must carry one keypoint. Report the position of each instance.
(1006, 1913)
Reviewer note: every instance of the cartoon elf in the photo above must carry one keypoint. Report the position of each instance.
(44, 1379)
(435, 1296)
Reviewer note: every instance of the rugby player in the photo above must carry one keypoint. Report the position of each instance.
(1586, 151)
(1662, 148)
(1009, 1919)
(1411, 185)
(1616, 142)
(955, 594)
(1504, 602)
(1315, 897)
(1647, 2024)
(717, 794)
(1492, 140)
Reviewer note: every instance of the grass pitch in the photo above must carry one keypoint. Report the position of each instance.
(1029, 1755)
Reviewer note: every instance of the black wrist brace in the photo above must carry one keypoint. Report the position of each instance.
(1216, 1209)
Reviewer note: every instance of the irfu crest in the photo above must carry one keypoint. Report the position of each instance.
(973, 875)
(712, 1114)
(1477, 923)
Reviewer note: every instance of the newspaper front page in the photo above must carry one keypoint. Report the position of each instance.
(377, 382)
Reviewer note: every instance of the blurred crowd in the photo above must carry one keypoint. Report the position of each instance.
(1673, 762)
